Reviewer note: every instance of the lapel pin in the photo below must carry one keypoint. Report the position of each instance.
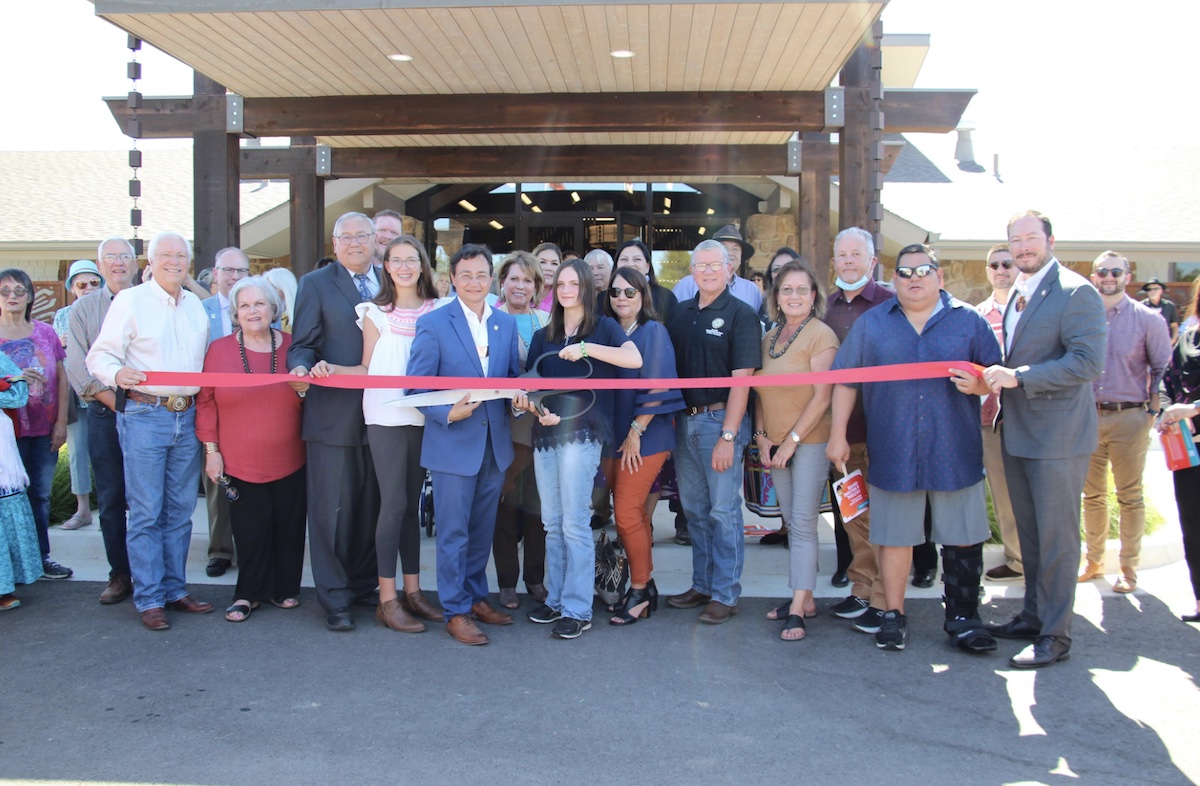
(495, 327)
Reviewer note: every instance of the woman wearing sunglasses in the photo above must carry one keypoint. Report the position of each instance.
(252, 448)
(566, 453)
(646, 418)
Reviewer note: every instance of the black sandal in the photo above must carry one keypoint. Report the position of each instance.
(794, 621)
(785, 611)
(633, 598)
(245, 609)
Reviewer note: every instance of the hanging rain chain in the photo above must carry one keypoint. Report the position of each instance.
(134, 130)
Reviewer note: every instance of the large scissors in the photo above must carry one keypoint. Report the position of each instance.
(536, 397)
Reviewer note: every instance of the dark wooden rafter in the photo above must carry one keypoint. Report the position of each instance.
(934, 111)
(547, 163)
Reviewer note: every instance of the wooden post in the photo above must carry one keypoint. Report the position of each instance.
(860, 175)
(215, 161)
(813, 220)
(306, 212)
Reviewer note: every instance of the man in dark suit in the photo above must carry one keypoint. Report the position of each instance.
(230, 266)
(467, 446)
(1054, 338)
(343, 497)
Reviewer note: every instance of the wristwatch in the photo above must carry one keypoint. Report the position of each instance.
(727, 436)
(795, 437)
(1020, 379)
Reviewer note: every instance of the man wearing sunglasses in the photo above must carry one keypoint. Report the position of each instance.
(1054, 337)
(1139, 348)
(924, 441)
(1001, 272)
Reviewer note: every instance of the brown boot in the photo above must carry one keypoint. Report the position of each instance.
(391, 614)
(117, 589)
(416, 604)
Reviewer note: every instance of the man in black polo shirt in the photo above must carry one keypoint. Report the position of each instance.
(715, 335)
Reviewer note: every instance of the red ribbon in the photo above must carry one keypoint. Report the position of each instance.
(900, 372)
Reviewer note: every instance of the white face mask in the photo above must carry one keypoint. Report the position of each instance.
(862, 282)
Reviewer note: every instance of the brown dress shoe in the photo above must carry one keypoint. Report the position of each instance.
(717, 612)
(155, 619)
(390, 614)
(484, 612)
(415, 604)
(1092, 570)
(190, 605)
(465, 631)
(688, 600)
(117, 590)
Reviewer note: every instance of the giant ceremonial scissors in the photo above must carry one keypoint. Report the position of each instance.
(536, 397)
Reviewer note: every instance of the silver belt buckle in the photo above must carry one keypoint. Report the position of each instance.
(177, 403)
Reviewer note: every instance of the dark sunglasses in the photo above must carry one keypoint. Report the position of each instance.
(615, 292)
(231, 492)
(1115, 272)
(920, 271)
(1005, 263)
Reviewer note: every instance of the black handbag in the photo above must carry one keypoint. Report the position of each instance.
(612, 570)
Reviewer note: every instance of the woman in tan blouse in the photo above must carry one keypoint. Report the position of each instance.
(792, 426)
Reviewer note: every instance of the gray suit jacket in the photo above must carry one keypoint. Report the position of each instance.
(1061, 337)
(326, 329)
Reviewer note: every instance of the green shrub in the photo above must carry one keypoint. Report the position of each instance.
(1154, 519)
(62, 501)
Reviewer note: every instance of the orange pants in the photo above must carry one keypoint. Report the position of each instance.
(629, 508)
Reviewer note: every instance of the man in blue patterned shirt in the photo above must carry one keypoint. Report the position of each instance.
(924, 441)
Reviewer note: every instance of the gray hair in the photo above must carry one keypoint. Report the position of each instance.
(712, 245)
(160, 237)
(859, 233)
(601, 254)
(262, 285)
(285, 281)
(113, 239)
(337, 227)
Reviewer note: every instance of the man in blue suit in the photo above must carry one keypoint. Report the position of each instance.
(467, 446)
(230, 265)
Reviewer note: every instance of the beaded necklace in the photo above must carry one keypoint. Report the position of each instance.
(778, 332)
(242, 350)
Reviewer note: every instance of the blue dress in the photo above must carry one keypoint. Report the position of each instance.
(20, 554)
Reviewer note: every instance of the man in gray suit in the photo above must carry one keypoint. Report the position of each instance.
(230, 265)
(343, 496)
(1054, 339)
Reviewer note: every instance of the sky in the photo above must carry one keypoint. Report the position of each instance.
(1052, 76)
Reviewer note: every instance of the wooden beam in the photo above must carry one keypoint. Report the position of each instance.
(215, 187)
(306, 227)
(172, 117)
(530, 163)
(924, 111)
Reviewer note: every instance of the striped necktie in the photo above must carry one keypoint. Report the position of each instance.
(364, 286)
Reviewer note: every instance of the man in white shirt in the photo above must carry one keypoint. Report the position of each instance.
(739, 252)
(230, 266)
(158, 326)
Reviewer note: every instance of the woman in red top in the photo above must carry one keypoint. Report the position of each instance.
(252, 447)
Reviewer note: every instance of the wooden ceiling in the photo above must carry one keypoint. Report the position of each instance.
(307, 48)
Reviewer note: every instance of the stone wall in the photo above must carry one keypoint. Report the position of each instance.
(767, 232)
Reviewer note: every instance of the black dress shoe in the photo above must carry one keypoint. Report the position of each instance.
(1190, 617)
(924, 578)
(217, 566)
(1015, 628)
(777, 538)
(367, 600)
(339, 620)
(1043, 652)
(840, 579)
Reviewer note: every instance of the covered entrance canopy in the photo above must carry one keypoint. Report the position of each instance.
(462, 92)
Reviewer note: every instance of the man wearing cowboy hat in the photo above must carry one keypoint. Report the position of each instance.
(739, 253)
(1166, 308)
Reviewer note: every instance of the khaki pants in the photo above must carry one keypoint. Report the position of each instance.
(864, 567)
(993, 463)
(1124, 439)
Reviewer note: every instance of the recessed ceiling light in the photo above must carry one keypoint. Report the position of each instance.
(400, 57)
(667, 201)
(525, 198)
(710, 211)
(622, 54)
(495, 224)
(700, 231)
(666, 211)
(574, 196)
(465, 205)
(537, 209)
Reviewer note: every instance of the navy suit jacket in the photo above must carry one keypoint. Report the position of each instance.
(444, 347)
(1061, 337)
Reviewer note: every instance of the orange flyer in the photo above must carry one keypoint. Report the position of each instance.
(851, 495)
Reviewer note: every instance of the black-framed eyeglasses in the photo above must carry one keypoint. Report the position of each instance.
(920, 271)
(231, 492)
(1115, 272)
(1004, 263)
(616, 292)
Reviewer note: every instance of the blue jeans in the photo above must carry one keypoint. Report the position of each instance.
(39, 464)
(565, 476)
(162, 462)
(713, 503)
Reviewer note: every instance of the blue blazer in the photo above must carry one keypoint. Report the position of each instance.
(444, 347)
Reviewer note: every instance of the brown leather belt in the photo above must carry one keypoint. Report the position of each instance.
(706, 408)
(173, 403)
(1118, 406)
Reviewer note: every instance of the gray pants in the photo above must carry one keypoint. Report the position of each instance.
(798, 489)
(343, 505)
(1045, 498)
